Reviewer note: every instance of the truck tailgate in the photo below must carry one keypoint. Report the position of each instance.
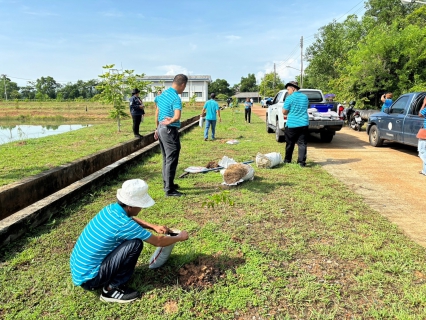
(319, 124)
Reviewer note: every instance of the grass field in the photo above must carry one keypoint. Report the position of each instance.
(296, 244)
(28, 157)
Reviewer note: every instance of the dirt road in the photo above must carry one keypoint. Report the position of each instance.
(387, 178)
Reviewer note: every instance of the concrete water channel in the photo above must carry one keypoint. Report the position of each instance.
(30, 202)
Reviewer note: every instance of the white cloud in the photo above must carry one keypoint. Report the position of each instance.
(39, 13)
(173, 69)
(286, 70)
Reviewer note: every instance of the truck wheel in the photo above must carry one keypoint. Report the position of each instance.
(278, 136)
(374, 137)
(326, 136)
(268, 129)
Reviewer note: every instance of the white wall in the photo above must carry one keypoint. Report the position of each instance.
(191, 87)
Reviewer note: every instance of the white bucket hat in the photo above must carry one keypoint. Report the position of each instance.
(134, 193)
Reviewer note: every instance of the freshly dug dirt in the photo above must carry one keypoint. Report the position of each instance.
(212, 165)
(200, 273)
(235, 172)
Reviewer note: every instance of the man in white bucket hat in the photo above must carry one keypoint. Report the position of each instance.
(106, 253)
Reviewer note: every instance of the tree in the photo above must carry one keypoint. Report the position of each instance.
(267, 87)
(220, 86)
(11, 88)
(115, 86)
(28, 92)
(248, 84)
(47, 86)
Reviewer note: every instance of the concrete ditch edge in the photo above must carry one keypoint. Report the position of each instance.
(35, 214)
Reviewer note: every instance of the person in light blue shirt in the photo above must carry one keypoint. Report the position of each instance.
(247, 110)
(295, 109)
(387, 100)
(167, 115)
(210, 109)
(106, 253)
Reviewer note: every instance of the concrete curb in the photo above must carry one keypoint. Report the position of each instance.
(35, 214)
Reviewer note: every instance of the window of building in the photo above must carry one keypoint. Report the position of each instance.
(199, 94)
(184, 95)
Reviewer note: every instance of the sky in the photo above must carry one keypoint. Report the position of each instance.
(71, 40)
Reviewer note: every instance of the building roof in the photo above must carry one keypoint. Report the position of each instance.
(170, 78)
(247, 95)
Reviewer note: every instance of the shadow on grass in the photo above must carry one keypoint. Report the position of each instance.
(22, 173)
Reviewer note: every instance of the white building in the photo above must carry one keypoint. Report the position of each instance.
(196, 84)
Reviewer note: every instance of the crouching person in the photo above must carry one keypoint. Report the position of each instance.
(106, 253)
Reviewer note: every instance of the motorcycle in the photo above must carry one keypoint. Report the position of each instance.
(356, 122)
(353, 117)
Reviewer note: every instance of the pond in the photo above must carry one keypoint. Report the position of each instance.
(10, 133)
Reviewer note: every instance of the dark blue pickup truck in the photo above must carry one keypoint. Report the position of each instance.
(399, 123)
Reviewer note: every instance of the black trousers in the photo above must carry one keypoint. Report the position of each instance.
(118, 266)
(136, 124)
(170, 149)
(297, 135)
(247, 114)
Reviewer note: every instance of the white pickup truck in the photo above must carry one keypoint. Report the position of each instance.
(325, 125)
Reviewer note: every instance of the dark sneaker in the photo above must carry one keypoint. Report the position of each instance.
(205, 139)
(174, 193)
(138, 136)
(119, 295)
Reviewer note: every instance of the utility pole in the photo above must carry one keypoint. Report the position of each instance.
(301, 62)
(4, 81)
(275, 73)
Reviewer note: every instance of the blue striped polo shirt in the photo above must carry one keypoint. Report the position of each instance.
(105, 232)
(297, 105)
(167, 103)
(423, 113)
(211, 107)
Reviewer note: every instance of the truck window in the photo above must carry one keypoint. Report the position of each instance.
(417, 104)
(399, 106)
(277, 98)
(313, 96)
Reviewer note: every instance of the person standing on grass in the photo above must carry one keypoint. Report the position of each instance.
(210, 109)
(105, 254)
(387, 100)
(247, 110)
(422, 139)
(295, 108)
(167, 114)
(137, 111)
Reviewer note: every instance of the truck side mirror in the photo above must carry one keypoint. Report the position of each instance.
(386, 110)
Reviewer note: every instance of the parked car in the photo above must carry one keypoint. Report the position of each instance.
(264, 102)
(275, 121)
(399, 123)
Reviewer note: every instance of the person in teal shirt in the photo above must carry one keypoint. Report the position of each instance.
(210, 109)
(387, 100)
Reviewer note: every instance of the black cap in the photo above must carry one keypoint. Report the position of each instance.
(293, 84)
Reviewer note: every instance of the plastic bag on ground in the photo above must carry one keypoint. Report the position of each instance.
(161, 254)
(225, 162)
(237, 173)
(268, 160)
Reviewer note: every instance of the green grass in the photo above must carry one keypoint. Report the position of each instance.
(296, 244)
(26, 157)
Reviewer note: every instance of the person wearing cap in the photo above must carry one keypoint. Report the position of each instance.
(210, 109)
(137, 111)
(105, 254)
(295, 108)
(167, 116)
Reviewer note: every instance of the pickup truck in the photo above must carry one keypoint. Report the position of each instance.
(399, 123)
(327, 128)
